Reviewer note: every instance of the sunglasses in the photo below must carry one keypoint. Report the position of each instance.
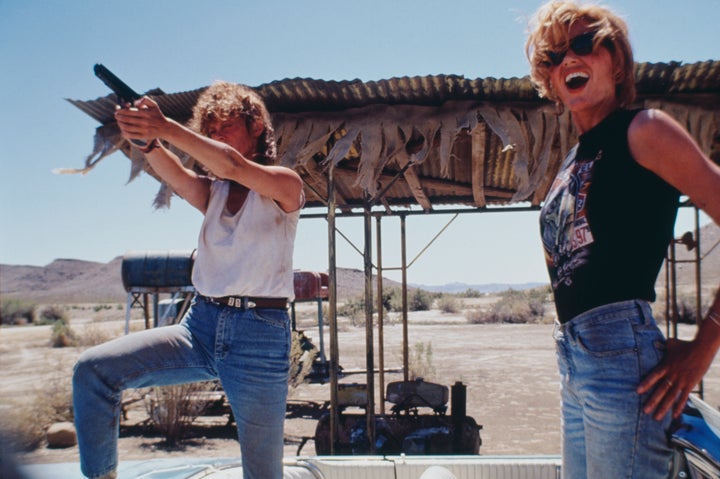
(581, 45)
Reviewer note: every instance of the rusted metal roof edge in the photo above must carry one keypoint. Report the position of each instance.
(305, 94)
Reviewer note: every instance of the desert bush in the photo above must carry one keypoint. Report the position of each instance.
(392, 299)
(420, 300)
(354, 308)
(421, 362)
(514, 307)
(93, 335)
(173, 409)
(16, 311)
(477, 316)
(62, 335)
(472, 293)
(24, 429)
(50, 315)
(449, 304)
(56, 393)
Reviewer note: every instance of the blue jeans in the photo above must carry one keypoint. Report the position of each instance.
(247, 350)
(603, 354)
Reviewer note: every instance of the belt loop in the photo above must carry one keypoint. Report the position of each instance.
(645, 311)
(244, 302)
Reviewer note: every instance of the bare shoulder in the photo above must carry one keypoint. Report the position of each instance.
(655, 138)
(660, 144)
(651, 122)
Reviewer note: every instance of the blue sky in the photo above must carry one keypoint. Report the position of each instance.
(48, 48)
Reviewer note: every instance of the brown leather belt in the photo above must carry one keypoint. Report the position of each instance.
(249, 302)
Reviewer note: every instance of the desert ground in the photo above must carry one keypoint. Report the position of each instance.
(509, 371)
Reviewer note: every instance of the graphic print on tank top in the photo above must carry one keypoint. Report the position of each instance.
(566, 233)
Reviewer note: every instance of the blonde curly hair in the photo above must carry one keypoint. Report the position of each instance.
(224, 101)
(549, 32)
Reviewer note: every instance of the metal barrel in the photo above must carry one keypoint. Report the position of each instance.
(157, 269)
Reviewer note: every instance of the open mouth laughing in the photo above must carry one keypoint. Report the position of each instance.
(576, 80)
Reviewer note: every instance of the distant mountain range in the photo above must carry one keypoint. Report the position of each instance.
(481, 288)
(78, 281)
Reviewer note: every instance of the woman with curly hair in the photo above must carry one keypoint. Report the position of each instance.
(237, 329)
(606, 224)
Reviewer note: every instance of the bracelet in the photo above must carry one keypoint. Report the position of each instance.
(714, 317)
(155, 143)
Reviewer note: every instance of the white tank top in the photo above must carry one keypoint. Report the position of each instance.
(248, 253)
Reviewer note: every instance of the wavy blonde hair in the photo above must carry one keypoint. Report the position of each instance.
(549, 32)
(224, 101)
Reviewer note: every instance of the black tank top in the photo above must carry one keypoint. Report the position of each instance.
(606, 222)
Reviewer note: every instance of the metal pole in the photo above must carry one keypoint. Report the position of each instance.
(668, 313)
(673, 286)
(381, 316)
(369, 349)
(405, 347)
(698, 286)
(156, 301)
(332, 313)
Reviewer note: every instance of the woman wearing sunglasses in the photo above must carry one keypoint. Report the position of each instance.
(606, 224)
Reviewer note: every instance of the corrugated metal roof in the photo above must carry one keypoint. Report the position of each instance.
(305, 94)
(475, 142)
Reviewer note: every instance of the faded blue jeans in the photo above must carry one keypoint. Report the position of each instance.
(603, 354)
(247, 350)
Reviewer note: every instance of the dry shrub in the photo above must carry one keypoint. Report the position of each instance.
(173, 409)
(421, 362)
(26, 422)
(62, 335)
(514, 307)
(449, 304)
(420, 300)
(94, 334)
(51, 315)
(16, 311)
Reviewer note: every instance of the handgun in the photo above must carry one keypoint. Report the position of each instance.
(125, 94)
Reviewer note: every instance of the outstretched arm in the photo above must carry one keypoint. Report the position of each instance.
(661, 145)
(190, 186)
(279, 183)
